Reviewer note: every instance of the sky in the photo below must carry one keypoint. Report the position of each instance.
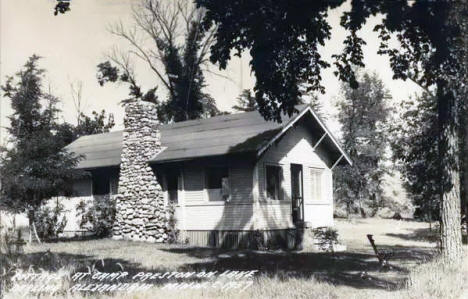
(73, 44)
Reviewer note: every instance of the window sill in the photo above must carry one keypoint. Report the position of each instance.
(274, 202)
(220, 203)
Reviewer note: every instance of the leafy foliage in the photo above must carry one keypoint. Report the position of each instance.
(327, 237)
(283, 38)
(172, 231)
(62, 7)
(50, 221)
(98, 123)
(180, 70)
(97, 215)
(363, 114)
(415, 149)
(35, 167)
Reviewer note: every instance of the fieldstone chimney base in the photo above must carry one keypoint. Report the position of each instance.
(141, 212)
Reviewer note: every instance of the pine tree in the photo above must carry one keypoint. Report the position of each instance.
(35, 167)
(245, 102)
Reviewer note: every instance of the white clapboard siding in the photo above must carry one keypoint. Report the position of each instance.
(319, 214)
(197, 212)
(296, 147)
(217, 216)
(241, 180)
(273, 216)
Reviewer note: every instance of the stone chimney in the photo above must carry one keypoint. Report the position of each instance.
(140, 207)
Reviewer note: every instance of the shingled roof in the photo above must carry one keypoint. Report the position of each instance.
(219, 135)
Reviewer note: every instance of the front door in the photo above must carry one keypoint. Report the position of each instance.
(297, 193)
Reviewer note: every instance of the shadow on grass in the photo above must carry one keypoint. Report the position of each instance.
(357, 270)
(423, 235)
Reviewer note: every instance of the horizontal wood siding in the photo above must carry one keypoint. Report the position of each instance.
(241, 179)
(212, 216)
(197, 212)
(319, 214)
(273, 216)
(295, 147)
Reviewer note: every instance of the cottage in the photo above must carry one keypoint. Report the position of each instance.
(228, 176)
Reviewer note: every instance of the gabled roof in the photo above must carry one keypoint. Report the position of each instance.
(220, 135)
(99, 150)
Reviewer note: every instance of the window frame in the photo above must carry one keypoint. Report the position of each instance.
(316, 175)
(206, 182)
(280, 181)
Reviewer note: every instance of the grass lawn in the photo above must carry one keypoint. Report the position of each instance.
(355, 273)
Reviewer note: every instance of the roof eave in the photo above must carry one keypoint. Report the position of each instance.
(296, 118)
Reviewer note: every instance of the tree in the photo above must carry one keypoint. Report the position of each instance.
(363, 114)
(87, 125)
(414, 148)
(177, 66)
(245, 102)
(35, 167)
(283, 38)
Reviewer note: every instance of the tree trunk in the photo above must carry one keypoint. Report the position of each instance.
(464, 154)
(448, 145)
(31, 221)
(464, 161)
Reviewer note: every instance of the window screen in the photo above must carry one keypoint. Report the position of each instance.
(316, 183)
(215, 176)
(273, 182)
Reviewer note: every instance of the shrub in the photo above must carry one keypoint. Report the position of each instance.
(259, 242)
(50, 221)
(172, 231)
(385, 213)
(97, 215)
(326, 237)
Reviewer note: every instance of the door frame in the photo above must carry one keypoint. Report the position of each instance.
(297, 202)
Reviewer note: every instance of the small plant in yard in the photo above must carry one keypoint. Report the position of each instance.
(326, 237)
(259, 240)
(97, 215)
(50, 221)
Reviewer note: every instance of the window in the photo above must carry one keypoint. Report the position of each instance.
(217, 183)
(273, 182)
(101, 185)
(172, 179)
(214, 177)
(316, 183)
(82, 187)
